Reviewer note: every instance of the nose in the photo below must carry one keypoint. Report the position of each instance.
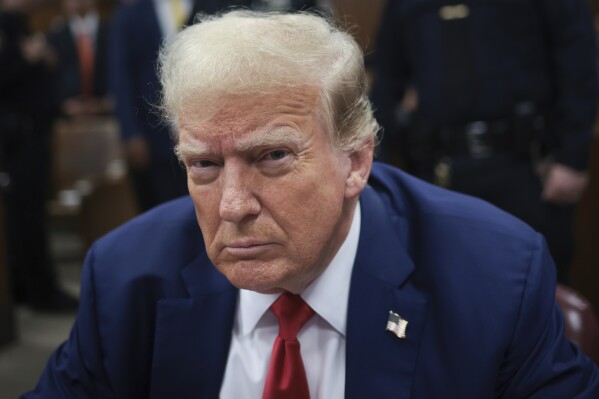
(237, 199)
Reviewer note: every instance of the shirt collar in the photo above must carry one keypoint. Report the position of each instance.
(86, 24)
(327, 294)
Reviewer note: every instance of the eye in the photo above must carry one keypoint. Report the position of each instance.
(276, 161)
(202, 168)
(202, 163)
(276, 155)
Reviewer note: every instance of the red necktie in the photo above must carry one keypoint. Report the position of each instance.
(286, 376)
(85, 49)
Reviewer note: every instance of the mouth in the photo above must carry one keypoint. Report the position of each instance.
(246, 249)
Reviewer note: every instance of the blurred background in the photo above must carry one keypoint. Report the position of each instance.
(81, 152)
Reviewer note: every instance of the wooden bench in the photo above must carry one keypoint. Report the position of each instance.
(92, 191)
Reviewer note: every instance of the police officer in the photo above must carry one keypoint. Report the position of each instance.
(506, 98)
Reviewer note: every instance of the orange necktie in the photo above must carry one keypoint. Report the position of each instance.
(85, 49)
(286, 376)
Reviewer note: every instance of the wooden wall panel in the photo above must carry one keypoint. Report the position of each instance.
(361, 18)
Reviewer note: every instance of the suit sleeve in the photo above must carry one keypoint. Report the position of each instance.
(75, 369)
(573, 51)
(121, 69)
(540, 362)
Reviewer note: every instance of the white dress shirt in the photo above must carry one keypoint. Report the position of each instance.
(86, 25)
(322, 339)
(166, 20)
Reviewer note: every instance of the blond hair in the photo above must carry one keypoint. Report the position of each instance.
(250, 52)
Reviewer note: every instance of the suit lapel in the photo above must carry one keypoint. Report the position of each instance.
(191, 357)
(379, 364)
(189, 354)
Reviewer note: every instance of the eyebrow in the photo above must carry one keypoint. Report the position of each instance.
(186, 150)
(271, 138)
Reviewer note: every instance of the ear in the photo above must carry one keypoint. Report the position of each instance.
(361, 163)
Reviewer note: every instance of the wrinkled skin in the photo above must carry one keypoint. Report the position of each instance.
(273, 196)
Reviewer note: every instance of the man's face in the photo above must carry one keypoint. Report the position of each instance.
(273, 197)
(74, 8)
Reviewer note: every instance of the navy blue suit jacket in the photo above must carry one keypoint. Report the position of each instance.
(135, 41)
(477, 287)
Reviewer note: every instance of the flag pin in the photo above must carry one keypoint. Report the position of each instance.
(396, 324)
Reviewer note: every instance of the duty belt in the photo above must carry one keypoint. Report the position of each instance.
(478, 139)
(483, 139)
(518, 138)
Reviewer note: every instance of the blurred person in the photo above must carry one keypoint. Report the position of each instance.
(290, 5)
(26, 112)
(138, 29)
(299, 269)
(506, 100)
(80, 46)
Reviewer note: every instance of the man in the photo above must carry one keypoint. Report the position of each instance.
(26, 112)
(411, 291)
(80, 45)
(506, 100)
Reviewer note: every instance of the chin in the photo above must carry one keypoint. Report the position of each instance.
(263, 287)
(262, 278)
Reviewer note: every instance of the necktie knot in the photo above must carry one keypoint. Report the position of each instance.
(293, 313)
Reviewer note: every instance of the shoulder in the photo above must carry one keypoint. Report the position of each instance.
(489, 283)
(412, 197)
(451, 233)
(135, 9)
(135, 22)
(168, 221)
(160, 241)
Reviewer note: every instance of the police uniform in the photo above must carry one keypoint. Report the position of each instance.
(501, 84)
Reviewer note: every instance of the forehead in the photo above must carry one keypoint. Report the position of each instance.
(234, 115)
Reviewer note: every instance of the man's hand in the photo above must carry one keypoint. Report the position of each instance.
(564, 185)
(35, 49)
(138, 153)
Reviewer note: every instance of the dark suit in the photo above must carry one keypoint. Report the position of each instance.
(476, 286)
(26, 112)
(68, 70)
(135, 41)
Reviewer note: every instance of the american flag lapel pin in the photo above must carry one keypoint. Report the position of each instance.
(396, 324)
